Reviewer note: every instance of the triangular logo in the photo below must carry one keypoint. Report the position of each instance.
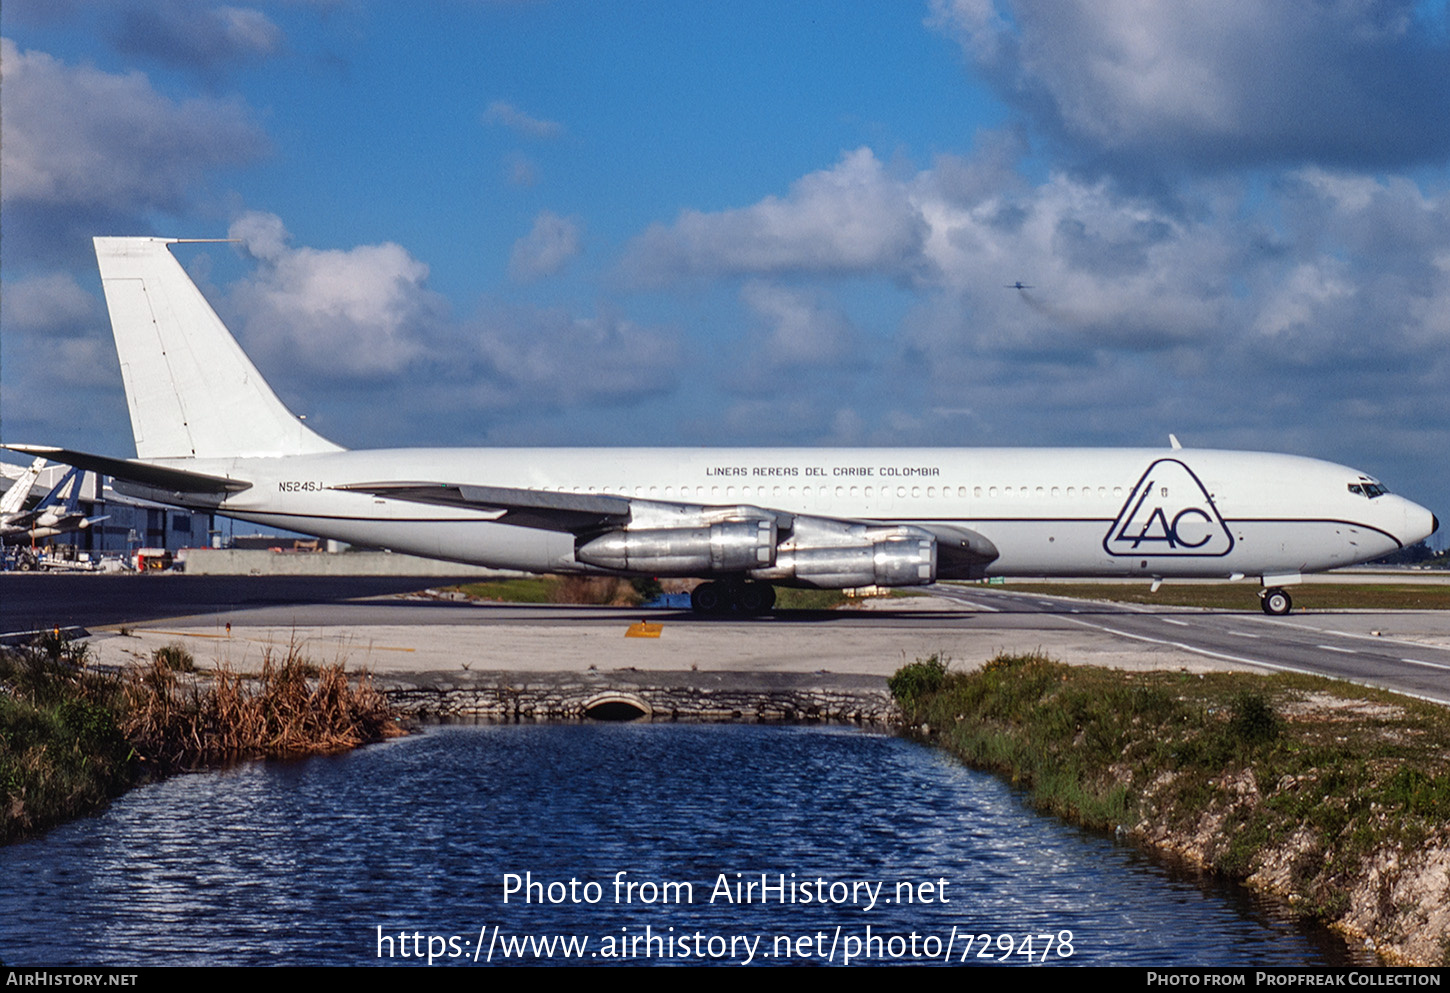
(1169, 512)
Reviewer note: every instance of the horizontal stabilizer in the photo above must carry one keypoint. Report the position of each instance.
(155, 476)
(543, 509)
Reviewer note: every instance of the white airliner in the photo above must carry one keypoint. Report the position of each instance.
(58, 513)
(210, 434)
(12, 504)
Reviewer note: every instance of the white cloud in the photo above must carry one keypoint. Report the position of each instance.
(53, 302)
(846, 219)
(1232, 82)
(798, 328)
(546, 249)
(526, 357)
(363, 312)
(334, 323)
(191, 36)
(80, 137)
(1297, 301)
(505, 114)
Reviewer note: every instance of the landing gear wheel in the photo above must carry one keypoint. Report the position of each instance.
(707, 599)
(754, 598)
(1276, 602)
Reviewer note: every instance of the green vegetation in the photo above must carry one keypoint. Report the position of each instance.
(62, 752)
(71, 738)
(917, 680)
(174, 657)
(608, 591)
(1245, 596)
(1316, 785)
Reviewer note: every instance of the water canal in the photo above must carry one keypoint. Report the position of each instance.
(856, 843)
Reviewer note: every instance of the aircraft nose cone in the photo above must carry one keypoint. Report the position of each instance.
(1419, 523)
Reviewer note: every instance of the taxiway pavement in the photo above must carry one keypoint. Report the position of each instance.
(1407, 651)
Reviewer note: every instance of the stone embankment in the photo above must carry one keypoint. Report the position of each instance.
(622, 694)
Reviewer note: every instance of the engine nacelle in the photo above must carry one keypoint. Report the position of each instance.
(903, 556)
(723, 547)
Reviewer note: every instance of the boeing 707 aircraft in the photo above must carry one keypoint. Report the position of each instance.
(211, 435)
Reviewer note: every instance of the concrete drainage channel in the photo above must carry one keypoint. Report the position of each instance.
(625, 695)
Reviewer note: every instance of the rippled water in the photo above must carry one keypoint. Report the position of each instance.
(302, 862)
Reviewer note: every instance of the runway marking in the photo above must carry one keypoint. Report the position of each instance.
(1335, 648)
(1243, 634)
(965, 599)
(1190, 648)
(1376, 638)
(1432, 665)
(1169, 620)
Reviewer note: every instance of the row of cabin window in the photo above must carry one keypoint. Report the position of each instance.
(790, 492)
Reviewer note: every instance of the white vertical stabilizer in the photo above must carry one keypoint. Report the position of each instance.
(14, 500)
(192, 391)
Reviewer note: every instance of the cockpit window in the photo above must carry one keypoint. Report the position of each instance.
(1370, 490)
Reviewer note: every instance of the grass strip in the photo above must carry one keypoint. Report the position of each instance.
(1245, 596)
(1332, 796)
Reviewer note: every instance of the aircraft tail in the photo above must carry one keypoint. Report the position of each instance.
(66, 494)
(14, 499)
(192, 391)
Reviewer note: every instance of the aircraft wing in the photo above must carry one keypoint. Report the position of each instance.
(157, 477)
(542, 509)
(962, 552)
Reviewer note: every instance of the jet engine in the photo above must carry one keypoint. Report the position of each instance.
(878, 556)
(723, 547)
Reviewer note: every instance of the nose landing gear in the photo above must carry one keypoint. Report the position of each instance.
(1275, 601)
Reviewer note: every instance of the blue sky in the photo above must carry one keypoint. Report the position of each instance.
(565, 223)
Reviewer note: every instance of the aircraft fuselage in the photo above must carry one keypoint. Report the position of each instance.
(1058, 512)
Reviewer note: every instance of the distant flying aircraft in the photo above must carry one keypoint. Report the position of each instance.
(211, 435)
(59, 513)
(1019, 286)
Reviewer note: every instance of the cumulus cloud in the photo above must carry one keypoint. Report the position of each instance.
(850, 218)
(1312, 306)
(50, 303)
(332, 324)
(188, 36)
(1239, 82)
(363, 312)
(546, 249)
(797, 328)
(505, 114)
(77, 137)
(549, 357)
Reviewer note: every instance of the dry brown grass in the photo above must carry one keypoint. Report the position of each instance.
(606, 591)
(292, 707)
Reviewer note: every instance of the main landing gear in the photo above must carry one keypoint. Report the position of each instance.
(1275, 601)
(724, 597)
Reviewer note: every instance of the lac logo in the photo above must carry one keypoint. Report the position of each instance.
(1169, 512)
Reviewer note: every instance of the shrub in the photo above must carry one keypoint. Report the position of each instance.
(1252, 718)
(917, 679)
(174, 657)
